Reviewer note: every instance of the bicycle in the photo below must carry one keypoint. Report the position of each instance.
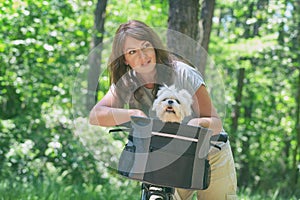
(153, 192)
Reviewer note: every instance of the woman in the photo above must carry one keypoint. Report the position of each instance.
(138, 65)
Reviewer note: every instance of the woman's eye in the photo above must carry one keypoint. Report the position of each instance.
(131, 52)
(147, 45)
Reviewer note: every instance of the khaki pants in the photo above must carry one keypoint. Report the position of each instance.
(223, 182)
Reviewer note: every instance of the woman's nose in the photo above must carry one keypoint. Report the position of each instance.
(142, 54)
(143, 57)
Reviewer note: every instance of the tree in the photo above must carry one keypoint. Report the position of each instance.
(184, 18)
(295, 46)
(207, 13)
(183, 28)
(95, 56)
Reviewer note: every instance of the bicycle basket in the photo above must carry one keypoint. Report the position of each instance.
(166, 154)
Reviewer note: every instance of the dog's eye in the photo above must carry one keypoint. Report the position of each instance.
(177, 101)
(165, 99)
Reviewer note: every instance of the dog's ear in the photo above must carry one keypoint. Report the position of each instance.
(186, 95)
(155, 103)
(165, 85)
(172, 88)
(160, 89)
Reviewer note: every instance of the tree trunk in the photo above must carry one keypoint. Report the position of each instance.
(184, 18)
(236, 109)
(207, 13)
(183, 30)
(238, 99)
(247, 33)
(95, 56)
(260, 5)
(220, 17)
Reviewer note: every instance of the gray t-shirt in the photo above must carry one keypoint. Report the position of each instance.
(187, 77)
(184, 77)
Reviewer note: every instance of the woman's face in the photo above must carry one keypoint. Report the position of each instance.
(139, 55)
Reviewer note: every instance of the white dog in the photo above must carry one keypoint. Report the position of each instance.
(172, 105)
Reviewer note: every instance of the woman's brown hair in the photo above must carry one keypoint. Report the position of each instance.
(140, 31)
(117, 67)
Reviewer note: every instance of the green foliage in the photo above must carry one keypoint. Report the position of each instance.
(46, 153)
(51, 189)
(265, 140)
(42, 46)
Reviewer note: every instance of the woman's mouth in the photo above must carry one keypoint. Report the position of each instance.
(146, 63)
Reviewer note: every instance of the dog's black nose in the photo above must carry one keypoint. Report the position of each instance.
(170, 102)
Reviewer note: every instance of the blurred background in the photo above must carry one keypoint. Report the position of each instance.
(255, 45)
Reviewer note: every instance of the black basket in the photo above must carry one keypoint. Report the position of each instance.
(166, 154)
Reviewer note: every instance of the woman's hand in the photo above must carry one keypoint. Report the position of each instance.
(199, 122)
(108, 116)
(212, 123)
(137, 112)
(108, 113)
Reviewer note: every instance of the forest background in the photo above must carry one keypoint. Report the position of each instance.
(44, 46)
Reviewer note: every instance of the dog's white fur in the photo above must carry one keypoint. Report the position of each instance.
(172, 105)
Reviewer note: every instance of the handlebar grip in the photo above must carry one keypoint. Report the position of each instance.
(222, 137)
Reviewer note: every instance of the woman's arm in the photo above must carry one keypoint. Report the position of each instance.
(204, 108)
(107, 113)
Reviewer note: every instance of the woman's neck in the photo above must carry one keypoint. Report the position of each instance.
(148, 79)
(149, 85)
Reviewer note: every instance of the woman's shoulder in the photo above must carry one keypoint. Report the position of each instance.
(180, 65)
(187, 77)
(184, 69)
